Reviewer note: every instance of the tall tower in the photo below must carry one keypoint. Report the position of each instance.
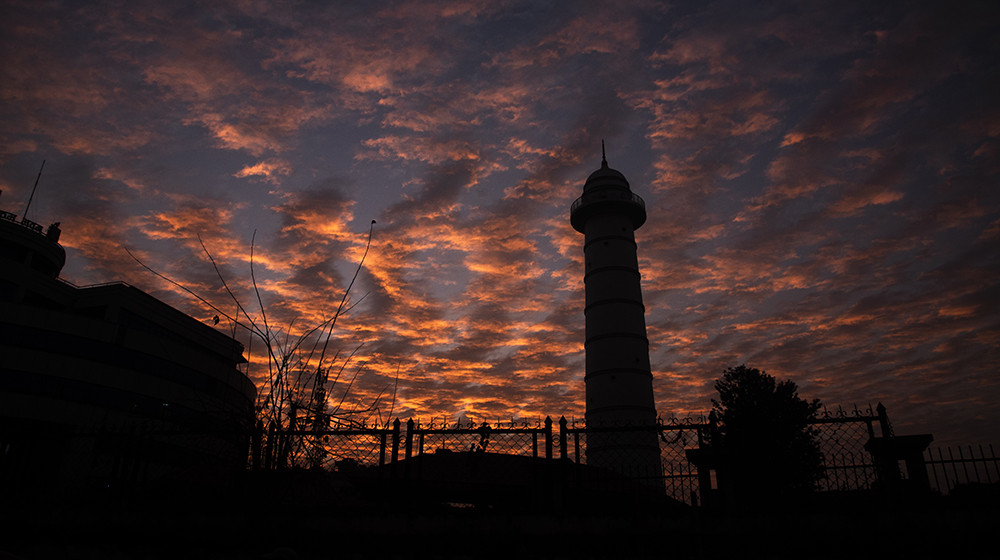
(619, 380)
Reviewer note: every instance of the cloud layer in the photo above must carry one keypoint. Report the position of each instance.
(821, 184)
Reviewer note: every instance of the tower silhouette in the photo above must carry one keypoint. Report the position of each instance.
(619, 382)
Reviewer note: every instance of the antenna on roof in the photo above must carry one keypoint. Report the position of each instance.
(25, 213)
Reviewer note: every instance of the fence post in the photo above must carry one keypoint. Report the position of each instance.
(562, 438)
(409, 438)
(548, 437)
(883, 421)
(271, 452)
(889, 449)
(395, 441)
(381, 447)
(256, 445)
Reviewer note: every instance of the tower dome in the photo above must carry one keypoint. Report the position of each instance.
(607, 191)
(605, 178)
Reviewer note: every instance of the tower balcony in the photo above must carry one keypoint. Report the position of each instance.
(607, 201)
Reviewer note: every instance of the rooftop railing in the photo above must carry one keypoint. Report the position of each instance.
(24, 222)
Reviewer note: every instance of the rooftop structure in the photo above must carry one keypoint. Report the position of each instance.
(104, 387)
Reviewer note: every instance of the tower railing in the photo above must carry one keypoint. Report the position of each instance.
(612, 195)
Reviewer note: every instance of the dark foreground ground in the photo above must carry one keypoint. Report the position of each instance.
(469, 534)
(311, 522)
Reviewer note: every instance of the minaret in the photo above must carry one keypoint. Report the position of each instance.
(619, 381)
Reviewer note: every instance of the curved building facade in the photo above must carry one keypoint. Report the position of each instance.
(106, 387)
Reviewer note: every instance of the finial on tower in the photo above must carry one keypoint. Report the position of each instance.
(604, 158)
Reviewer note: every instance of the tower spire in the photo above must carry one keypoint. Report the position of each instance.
(604, 157)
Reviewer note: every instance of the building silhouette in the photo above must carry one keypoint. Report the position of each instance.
(619, 388)
(105, 388)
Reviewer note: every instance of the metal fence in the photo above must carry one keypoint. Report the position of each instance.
(379, 445)
(843, 436)
(121, 456)
(677, 475)
(950, 468)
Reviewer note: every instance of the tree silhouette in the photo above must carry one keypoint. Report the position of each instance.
(765, 435)
(293, 395)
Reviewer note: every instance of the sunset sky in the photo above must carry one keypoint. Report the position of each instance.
(821, 180)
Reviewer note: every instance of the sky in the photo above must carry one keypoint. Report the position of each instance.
(821, 181)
